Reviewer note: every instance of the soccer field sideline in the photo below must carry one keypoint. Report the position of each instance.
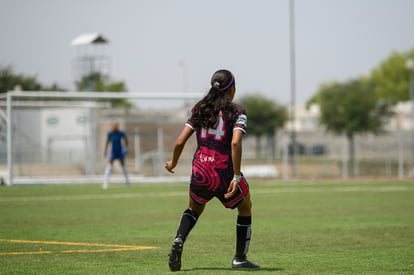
(255, 189)
(96, 179)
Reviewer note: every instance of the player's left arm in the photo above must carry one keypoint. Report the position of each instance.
(178, 148)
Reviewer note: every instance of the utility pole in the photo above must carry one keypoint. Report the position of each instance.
(292, 86)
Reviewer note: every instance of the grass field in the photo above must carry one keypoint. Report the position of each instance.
(298, 228)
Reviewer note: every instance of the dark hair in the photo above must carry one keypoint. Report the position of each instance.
(206, 111)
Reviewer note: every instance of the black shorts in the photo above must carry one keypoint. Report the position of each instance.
(202, 194)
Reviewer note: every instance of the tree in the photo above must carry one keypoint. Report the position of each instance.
(9, 80)
(390, 78)
(264, 118)
(352, 108)
(99, 83)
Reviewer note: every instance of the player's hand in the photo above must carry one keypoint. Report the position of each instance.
(169, 166)
(232, 189)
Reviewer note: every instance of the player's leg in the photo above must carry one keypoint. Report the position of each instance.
(243, 234)
(189, 219)
(108, 172)
(187, 222)
(241, 201)
(124, 170)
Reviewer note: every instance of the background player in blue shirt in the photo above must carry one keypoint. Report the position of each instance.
(118, 151)
(219, 125)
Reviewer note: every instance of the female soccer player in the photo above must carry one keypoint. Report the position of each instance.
(219, 125)
(118, 152)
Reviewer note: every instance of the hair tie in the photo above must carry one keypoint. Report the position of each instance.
(228, 85)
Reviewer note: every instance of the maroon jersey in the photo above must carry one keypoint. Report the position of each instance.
(212, 167)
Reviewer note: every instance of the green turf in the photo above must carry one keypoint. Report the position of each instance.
(298, 228)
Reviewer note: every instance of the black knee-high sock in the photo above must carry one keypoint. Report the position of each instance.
(187, 222)
(243, 233)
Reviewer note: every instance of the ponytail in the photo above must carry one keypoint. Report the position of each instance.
(205, 113)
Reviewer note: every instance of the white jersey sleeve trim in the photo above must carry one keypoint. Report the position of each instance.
(239, 128)
(190, 126)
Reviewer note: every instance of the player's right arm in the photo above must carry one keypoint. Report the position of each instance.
(178, 148)
(236, 155)
(239, 130)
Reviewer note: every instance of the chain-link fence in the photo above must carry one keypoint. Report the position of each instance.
(66, 139)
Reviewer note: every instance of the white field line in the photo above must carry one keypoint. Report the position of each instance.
(254, 190)
(133, 179)
(93, 196)
(389, 188)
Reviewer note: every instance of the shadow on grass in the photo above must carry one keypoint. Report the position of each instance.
(269, 269)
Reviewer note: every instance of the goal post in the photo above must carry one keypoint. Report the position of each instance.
(85, 103)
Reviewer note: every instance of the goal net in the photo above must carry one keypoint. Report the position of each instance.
(59, 137)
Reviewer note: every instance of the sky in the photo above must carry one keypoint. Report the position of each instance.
(176, 45)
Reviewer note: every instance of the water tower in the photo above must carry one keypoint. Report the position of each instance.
(90, 57)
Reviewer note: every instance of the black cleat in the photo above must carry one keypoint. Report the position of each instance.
(175, 255)
(243, 263)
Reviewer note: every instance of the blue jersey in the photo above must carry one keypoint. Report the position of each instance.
(116, 143)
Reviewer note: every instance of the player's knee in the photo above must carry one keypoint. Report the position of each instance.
(245, 207)
(195, 207)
